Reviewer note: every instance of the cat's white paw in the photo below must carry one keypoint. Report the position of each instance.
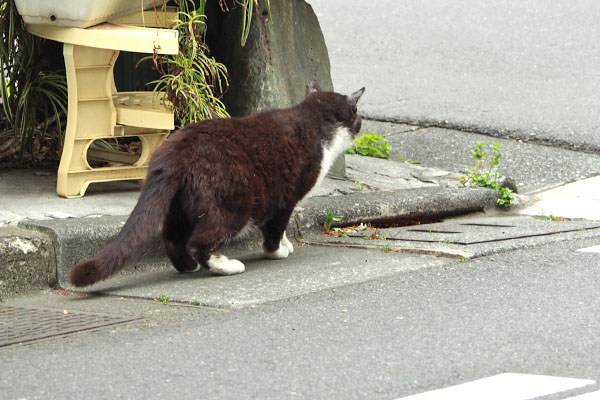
(285, 249)
(219, 264)
(285, 242)
(281, 252)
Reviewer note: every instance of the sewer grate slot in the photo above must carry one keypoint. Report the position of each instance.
(20, 324)
(489, 225)
(433, 231)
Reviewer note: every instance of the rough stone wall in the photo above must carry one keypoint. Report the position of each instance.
(280, 57)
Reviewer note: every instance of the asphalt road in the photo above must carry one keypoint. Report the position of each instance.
(532, 311)
(520, 68)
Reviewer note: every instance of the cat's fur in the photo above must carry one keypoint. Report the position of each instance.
(214, 179)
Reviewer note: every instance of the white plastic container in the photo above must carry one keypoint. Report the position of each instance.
(79, 13)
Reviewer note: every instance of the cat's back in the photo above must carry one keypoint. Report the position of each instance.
(267, 132)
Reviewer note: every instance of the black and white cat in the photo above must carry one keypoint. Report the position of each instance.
(212, 180)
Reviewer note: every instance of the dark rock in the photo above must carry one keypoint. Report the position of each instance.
(508, 182)
(279, 58)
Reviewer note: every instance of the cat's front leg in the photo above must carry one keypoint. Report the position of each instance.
(285, 242)
(276, 244)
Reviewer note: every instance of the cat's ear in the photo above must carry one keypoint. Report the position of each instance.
(313, 86)
(353, 98)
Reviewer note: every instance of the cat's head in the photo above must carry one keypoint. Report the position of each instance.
(342, 108)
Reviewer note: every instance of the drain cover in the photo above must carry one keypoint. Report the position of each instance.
(483, 230)
(19, 324)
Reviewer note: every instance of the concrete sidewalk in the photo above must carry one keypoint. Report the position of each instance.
(42, 235)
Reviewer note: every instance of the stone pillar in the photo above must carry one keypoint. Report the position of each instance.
(279, 58)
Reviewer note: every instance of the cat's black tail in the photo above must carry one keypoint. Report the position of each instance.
(141, 225)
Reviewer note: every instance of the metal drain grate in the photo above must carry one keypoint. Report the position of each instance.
(19, 324)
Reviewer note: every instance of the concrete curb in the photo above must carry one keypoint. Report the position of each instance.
(424, 204)
(28, 261)
(69, 241)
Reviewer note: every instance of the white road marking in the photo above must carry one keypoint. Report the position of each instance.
(507, 386)
(587, 396)
(593, 249)
(579, 199)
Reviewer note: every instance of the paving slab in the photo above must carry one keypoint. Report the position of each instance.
(309, 269)
(533, 167)
(39, 188)
(119, 198)
(462, 237)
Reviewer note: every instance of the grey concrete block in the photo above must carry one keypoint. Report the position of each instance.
(398, 206)
(27, 261)
(76, 240)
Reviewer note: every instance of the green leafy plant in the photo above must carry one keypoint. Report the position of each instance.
(488, 178)
(371, 145)
(33, 97)
(192, 80)
(386, 248)
(330, 218)
(163, 298)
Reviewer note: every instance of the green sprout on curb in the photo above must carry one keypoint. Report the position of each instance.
(553, 217)
(359, 184)
(489, 178)
(404, 160)
(330, 218)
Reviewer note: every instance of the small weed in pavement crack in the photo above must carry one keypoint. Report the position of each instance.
(163, 298)
(490, 177)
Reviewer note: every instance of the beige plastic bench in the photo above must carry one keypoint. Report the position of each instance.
(96, 110)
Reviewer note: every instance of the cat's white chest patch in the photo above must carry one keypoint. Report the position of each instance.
(342, 139)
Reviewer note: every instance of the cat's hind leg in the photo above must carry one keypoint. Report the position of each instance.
(219, 264)
(203, 246)
(176, 232)
(276, 244)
